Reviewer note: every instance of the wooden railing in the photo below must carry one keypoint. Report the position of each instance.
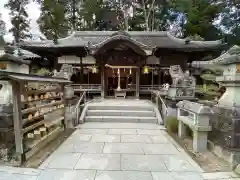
(97, 88)
(87, 87)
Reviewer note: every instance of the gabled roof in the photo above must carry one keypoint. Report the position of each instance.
(161, 39)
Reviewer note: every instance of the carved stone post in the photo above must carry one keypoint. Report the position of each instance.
(68, 113)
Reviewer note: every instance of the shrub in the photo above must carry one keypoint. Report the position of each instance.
(43, 72)
(172, 124)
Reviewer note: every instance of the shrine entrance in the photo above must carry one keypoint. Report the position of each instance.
(121, 81)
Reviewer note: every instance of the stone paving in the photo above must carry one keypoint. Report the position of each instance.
(117, 151)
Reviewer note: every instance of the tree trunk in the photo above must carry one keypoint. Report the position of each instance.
(147, 13)
(126, 23)
(153, 21)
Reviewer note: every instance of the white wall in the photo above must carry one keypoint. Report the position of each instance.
(12, 67)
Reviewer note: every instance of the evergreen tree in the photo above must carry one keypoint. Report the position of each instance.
(19, 19)
(153, 15)
(2, 30)
(197, 17)
(231, 20)
(53, 22)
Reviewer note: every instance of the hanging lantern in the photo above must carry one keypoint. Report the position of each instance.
(145, 70)
(94, 69)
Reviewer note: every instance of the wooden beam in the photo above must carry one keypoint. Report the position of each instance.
(17, 118)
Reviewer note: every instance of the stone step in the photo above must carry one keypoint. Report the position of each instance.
(120, 107)
(125, 119)
(132, 113)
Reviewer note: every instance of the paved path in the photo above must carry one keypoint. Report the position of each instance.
(116, 151)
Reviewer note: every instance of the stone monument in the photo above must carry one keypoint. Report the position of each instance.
(183, 86)
(66, 72)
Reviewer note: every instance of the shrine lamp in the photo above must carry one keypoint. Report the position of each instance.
(94, 69)
(145, 70)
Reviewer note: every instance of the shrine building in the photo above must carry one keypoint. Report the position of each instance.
(122, 61)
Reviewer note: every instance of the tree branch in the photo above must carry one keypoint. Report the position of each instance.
(151, 8)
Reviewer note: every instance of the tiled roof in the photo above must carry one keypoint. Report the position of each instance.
(161, 39)
(21, 58)
(32, 78)
(229, 57)
(15, 59)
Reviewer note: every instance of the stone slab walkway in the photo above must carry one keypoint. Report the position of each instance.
(117, 151)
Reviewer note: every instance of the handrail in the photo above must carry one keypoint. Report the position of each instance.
(163, 103)
(163, 107)
(78, 105)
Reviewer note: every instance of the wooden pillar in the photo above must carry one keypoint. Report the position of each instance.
(17, 119)
(102, 81)
(159, 77)
(137, 82)
(81, 71)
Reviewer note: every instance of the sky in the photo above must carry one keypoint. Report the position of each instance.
(33, 10)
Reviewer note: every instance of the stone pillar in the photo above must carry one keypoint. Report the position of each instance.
(102, 82)
(68, 110)
(199, 141)
(181, 130)
(137, 82)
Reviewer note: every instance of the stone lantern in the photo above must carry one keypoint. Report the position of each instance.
(230, 62)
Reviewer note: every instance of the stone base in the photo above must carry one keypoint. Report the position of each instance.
(200, 141)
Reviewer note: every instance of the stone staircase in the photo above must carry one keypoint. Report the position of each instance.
(121, 111)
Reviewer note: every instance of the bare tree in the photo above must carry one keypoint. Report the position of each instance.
(2, 26)
(148, 7)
